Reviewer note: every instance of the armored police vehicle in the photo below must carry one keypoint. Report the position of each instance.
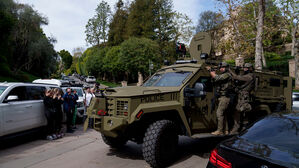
(177, 100)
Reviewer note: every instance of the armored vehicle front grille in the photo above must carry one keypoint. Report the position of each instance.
(110, 105)
(122, 106)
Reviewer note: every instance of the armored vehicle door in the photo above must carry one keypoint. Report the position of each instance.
(201, 108)
(287, 83)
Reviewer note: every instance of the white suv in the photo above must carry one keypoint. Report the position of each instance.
(21, 107)
(90, 79)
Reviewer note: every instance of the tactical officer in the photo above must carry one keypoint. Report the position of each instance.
(223, 82)
(245, 84)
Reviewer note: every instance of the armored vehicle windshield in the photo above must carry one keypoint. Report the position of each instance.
(168, 79)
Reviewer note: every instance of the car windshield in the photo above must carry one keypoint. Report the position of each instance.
(277, 131)
(2, 88)
(169, 79)
(79, 91)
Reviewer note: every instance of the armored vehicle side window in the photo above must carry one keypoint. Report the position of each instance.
(35, 92)
(285, 83)
(275, 82)
(20, 92)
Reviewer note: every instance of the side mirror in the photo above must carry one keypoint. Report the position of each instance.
(197, 91)
(12, 98)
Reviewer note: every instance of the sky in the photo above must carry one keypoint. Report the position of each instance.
(67, 18)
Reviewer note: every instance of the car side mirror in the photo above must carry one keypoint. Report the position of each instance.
(12, 98)
(197, 91)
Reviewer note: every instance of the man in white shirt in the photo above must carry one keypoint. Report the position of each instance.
(87, 99)
(88, 96)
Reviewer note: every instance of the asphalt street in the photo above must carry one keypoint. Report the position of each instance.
(87, 149)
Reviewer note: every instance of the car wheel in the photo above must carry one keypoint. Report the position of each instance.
(114, 142)
(160, 143)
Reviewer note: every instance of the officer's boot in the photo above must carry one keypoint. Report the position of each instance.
(219, 130)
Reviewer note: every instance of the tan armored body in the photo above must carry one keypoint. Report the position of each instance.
(177, 100)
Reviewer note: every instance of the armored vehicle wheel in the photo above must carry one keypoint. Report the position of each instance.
(114, 142)
(160, 143)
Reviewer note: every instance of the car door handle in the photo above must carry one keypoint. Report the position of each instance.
(9, 121)
(29, 106)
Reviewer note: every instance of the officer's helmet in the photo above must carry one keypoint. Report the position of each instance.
(248, 65)
(223, 64)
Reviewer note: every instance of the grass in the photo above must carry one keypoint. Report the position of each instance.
(109, 84)
(295, 90)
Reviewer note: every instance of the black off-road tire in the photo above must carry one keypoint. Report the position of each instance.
(160, 143)
(114, 142)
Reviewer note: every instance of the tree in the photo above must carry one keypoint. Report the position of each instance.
(208, 20)
(33, 51)
(184, 27)
(165, 29)
(241, 29)
(78, 51)
(290, 10)
(67, 59)
(141, 19)
(136, 53)
(95, 61)
(211, 22)
(113, 63)
(259, 36)
(8, 21)
(97, 27)
(232, 7)
(24, 46)
(26, 32)
(117, 27)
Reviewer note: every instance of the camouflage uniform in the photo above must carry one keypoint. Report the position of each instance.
(247, 84)
(224, 84)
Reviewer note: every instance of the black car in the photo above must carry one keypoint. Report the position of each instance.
(270, 142)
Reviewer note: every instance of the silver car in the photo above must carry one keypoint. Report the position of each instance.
(21, 107)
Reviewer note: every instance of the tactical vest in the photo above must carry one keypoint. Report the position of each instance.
(249, 85)
(224, 87)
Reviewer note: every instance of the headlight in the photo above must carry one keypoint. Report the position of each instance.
(126, 107)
